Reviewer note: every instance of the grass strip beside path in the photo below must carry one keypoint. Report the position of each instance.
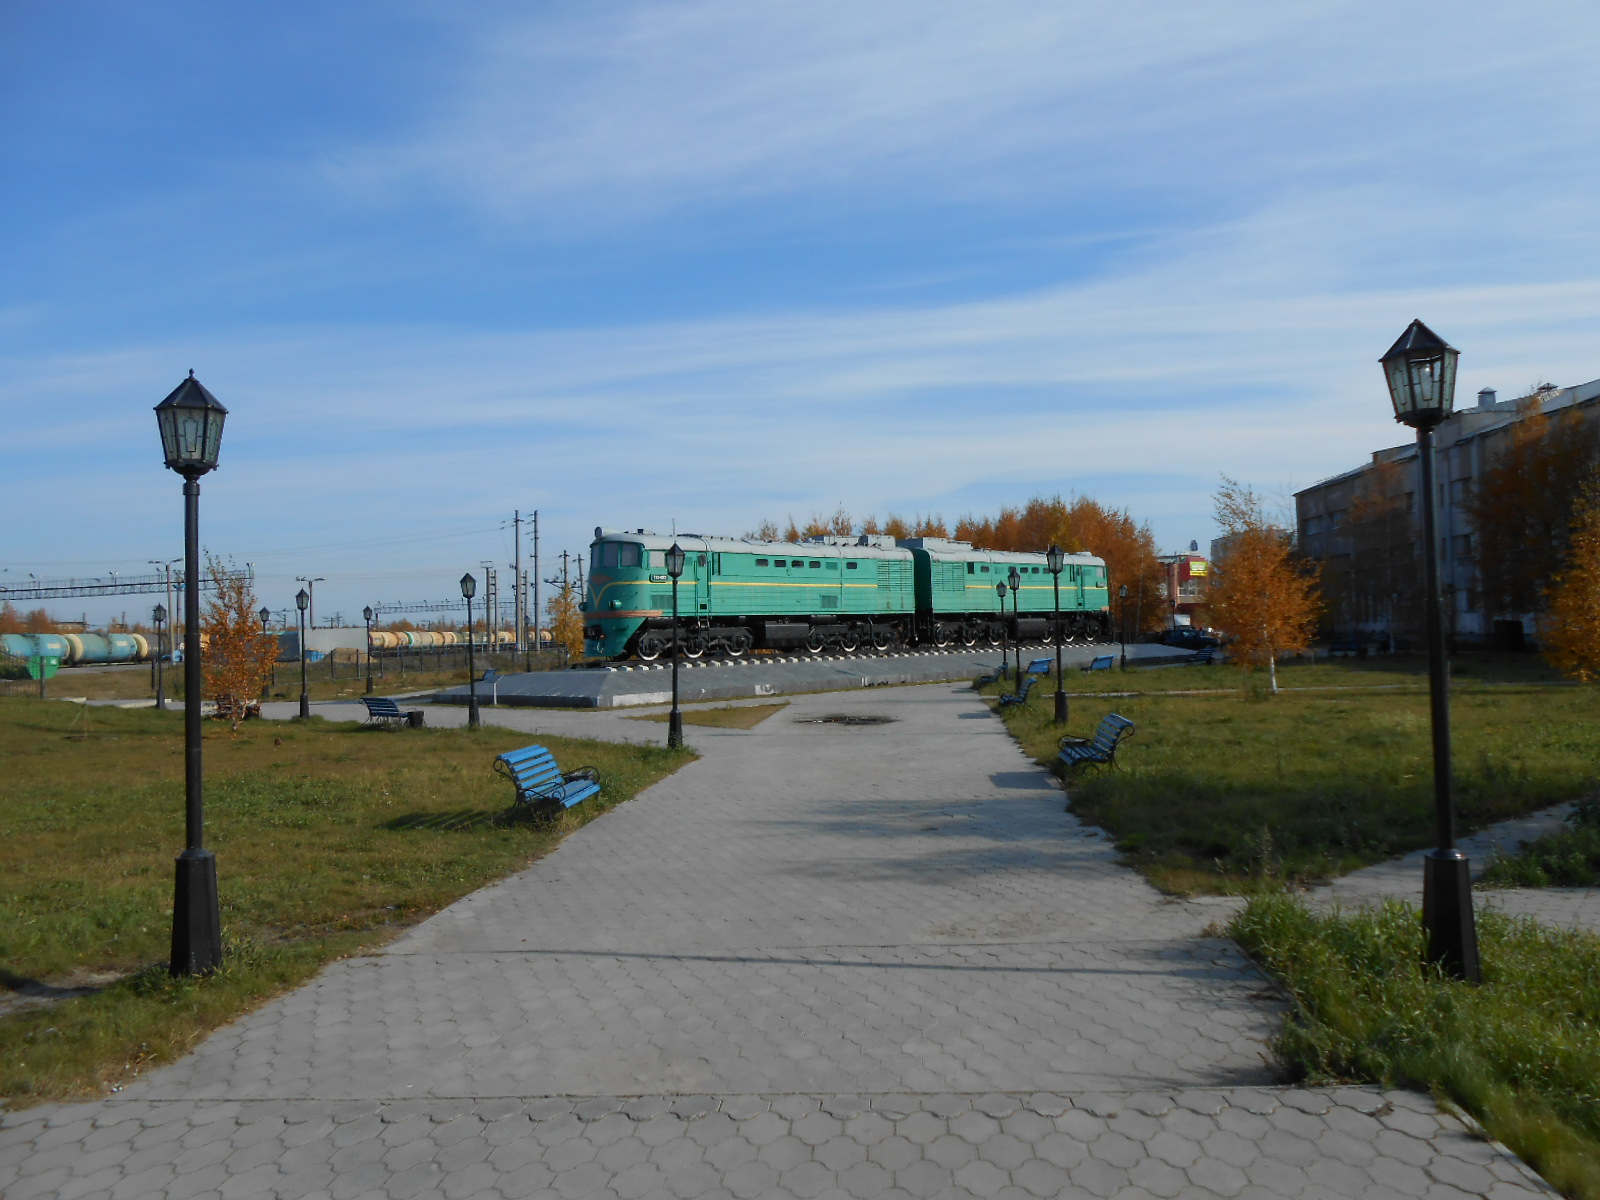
(1567, 858)
(1520, 1052)
(1236, 792)
(330, 839)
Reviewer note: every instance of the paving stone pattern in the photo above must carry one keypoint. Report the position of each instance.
(821, 961)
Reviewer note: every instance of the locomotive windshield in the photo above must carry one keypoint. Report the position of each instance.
(615, 554)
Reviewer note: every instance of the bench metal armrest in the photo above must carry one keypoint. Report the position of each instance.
(592, 774)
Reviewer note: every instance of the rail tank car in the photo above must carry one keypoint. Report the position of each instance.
(826, 593)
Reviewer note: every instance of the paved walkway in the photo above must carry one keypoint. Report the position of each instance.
(1401, 878)
(823, 960)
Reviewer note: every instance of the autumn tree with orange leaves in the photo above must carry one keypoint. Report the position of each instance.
(1570, 628)
(1262, 598)
(237, 657)
(1083, 525)
(1521, 509)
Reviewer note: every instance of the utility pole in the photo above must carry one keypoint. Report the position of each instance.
(311, 600)
(516, 581)
(537, 644)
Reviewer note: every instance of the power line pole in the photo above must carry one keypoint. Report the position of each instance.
(516, 581)
(537, 645)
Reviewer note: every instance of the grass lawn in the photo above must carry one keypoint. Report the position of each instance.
(1237, 792)
(726, 716)
(1521, 1051)
(330, 838)
(135, 683)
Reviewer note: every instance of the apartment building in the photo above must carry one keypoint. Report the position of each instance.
(1370, 565)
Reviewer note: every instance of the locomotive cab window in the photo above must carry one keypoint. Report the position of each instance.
(629, 554)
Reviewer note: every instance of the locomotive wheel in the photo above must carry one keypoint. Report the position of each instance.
(694, 646)
(941, 635)
(969, 636)
(996, 635)
(738, 645)
(882, 639)
(851, 641)
(649, 648)
(815, 642)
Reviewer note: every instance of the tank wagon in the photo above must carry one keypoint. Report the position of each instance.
(826, 593)
(78, 649)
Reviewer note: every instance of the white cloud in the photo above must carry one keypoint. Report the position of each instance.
(615, 113)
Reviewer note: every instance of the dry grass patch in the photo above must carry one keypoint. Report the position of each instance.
(727, 716)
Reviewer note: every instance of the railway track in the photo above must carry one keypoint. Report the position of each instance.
(863, 655)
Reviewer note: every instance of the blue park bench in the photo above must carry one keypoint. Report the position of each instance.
(381, 710)
(541, 783)
(1200, 658)
(1019, 697)
(1103, 663)
(1039, 666)
(1099, 750)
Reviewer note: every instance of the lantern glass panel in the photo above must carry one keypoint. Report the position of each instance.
(469, 586)
(675, 560)
(1053, 556)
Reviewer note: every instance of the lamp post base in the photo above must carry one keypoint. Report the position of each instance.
(675, 730)
(1061, 707)
(1447, 914)
(196, 917)
(305, 707)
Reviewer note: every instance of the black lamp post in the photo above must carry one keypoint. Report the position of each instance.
(366, 615)
(190, 420)
(1015, 580)
(302, 601)
(1420, 369)
(469, 589)
(265, 614)
(1122, 627)
(1053, 557)
(1005, 662)
(159, 614)
(675, 559)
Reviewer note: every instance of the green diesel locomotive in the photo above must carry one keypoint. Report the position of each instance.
(828, 593)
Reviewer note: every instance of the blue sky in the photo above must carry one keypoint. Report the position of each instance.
(706, 263)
